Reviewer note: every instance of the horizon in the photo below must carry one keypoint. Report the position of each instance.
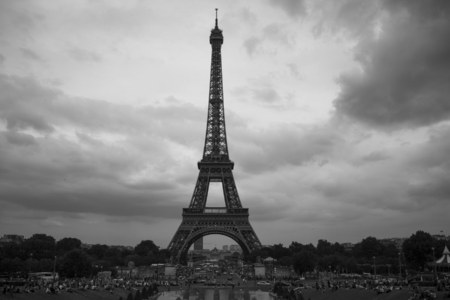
(218, 242)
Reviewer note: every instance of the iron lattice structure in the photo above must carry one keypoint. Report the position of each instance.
(199, 220)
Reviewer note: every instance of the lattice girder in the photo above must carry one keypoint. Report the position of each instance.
(215, 166)
(197, 223)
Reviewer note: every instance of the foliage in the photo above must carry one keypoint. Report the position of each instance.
(40, 252)
(304, 261)
(146, 248)
(418, 249)
(40, 246)
(368, 248)
(67, 244)
(75, 263)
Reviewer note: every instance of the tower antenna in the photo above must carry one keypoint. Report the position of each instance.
(216, 18)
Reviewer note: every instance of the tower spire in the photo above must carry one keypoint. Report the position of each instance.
(217, 26)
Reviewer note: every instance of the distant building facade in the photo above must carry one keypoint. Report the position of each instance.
(12, 238)
(198, 244)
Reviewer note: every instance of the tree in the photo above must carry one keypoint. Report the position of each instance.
(304, 261)
(368, 248)
(296, 247)
(261, 253)
(40, 246)
(286, 260)
(146, 248)
(98, 251)
(12, 250)
(279, 251)
(418, 249)
(113, 256)
(333, 262)
(10, 265)
(75, 263)
(324, 248)
(66, 244)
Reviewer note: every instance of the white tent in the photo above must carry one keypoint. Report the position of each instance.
(443, 263)
(445, 258)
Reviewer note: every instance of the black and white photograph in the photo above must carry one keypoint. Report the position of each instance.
(225, 150)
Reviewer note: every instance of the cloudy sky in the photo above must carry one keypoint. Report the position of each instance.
(337, 111)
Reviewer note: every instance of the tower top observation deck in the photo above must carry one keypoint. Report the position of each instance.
(216, 34)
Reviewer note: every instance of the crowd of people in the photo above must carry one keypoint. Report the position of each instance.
(418, 290)
(76, 285)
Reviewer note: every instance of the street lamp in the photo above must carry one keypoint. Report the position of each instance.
(54, 269)
(31, 263)
(374, 267)
(434, 262)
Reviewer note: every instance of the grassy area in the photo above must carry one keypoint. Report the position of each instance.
(361, 294)
(77, 295)
(355, 294)
(309, 294)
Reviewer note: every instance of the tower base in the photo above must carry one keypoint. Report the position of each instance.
(199, 222)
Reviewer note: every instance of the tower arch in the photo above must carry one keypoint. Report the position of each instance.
(228, 232)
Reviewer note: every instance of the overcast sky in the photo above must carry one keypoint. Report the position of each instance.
(337, 114)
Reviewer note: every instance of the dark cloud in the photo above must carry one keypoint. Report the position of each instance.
(431, 158)
(99, 197)
(267, 95)
(84, 55)
(247, 15)
(251, 44)
(281, 146)
(17, 97)
(351, 17)
(432, 191)
(24, 120)
(73, 155)
(17, 18)
(30, 54)
(25, 103)
(293, 8)
(293, 69)
(277, 32)
(405, 69)
(372, 157)
(268, 40)
(20, 139)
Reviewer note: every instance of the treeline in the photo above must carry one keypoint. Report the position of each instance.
(70, 258)
(370, 255)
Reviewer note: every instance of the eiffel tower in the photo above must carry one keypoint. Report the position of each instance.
(215, 166)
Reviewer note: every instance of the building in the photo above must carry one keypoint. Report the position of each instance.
(348, 246)
(260, 270)
(235, 248)
(397, 242)
(198, 244)
(12, 238)
(283, 272)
